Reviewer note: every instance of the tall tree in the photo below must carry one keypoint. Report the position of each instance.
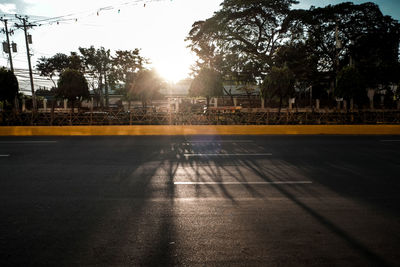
(97, 64)
(125, 67)
(351, 85)
(349, 34)
(53, 66)
(146, 86)
(208, 83)
(125, 63)
(301, 62)
(279, 82)
(73, 86)
(247, 32)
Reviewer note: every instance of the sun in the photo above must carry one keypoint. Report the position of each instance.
(172, 71)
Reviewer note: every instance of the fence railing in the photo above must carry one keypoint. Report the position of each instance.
(256, 117)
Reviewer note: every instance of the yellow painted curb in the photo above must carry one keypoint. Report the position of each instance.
(200, 130)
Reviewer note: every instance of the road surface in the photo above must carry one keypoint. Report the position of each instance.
(200, 201)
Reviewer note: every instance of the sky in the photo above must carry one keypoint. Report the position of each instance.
(157, 27)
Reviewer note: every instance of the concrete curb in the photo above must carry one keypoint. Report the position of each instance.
(200, 130)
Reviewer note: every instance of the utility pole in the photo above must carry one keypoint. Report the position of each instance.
(8, 42)
(10, 56)
(25, 26)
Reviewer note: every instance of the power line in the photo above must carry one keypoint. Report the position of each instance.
(60, 18)
(88, 13)
(11, 16)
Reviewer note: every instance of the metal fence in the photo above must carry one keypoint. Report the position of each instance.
(255, 117)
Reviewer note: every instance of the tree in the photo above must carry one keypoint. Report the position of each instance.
(97, 63)
(145, 86)
(104, 57)
(301, 62)
(56, 64)
(349, 34)
(279, 82)
(208, 83)
(125, 63)
(350, 85)
(125, 66)
(376, 57)
(8, 87)
(73, 86)
(244, 32)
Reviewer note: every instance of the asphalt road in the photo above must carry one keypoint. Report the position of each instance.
(200, 201)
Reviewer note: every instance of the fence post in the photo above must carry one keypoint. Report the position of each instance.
(91, 104)
(291, 103)
(371, 93)
(23, 105)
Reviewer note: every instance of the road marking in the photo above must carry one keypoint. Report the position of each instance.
(242, 183)
(222, 141)
(4, 155)
(28, 142)
(228, 155)
(390, 140)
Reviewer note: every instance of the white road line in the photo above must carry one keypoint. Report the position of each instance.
(4, 156)
(228, 155)
(28, 142)
(221, 141)
(242, 183)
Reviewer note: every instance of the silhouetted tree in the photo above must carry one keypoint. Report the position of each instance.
(97, 63)
(242, 34)
(301, 62)
(245, 38)
(145, 86)
(349, 34)
(279, 82)
(125, 67)
(56, 64)
(208, 83)
(350, 84)
(8, 87)
(73, 86)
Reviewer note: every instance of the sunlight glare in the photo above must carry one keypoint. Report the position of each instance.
(172, 71)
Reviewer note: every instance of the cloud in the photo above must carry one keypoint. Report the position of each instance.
(12, 6)
(8, 8)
